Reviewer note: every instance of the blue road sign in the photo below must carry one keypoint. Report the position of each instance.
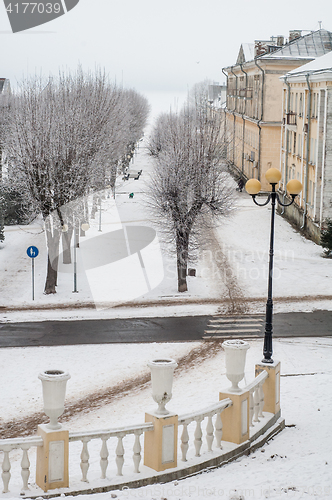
(32, 252)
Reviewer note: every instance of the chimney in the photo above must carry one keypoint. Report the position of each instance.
(280, 40)
(261, 47)
(293, 34)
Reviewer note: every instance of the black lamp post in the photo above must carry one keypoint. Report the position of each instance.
(253, 186)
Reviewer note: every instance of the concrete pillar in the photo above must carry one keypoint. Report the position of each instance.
(160, 445)
(271, 386)
(235, 419)
(52, 459)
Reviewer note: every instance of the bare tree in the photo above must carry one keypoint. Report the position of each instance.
(54, 136)
(189, 186)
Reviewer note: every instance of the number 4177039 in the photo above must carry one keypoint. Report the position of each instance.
(34, 7)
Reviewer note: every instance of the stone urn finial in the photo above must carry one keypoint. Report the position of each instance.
(54, 391)
(162, 380)
(235, 355)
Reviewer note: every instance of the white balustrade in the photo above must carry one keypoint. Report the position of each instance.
(24, 444)
(256, 397)
(212, 431)
(104, 436)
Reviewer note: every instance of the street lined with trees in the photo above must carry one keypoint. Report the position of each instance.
(190, 188)
(63, 139)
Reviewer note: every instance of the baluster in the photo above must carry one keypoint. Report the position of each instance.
(209, 433)
(256, 405)
(25, 466)
(104, 457)
(251, 407)
(137, 451)
(5, 471)
(198, 436)
(85, 460)
(184, 442)
(218, 430)
(261, 400)
(119, 455)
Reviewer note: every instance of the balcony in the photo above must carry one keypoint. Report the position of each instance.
(245, 93)
(291, 118)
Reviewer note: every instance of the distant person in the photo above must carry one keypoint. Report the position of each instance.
(240, 185)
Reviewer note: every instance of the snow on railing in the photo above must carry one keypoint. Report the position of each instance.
(256, 397)
(212, 431)
(105, 435)
(7, 445)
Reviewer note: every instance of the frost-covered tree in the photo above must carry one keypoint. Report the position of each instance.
(58, 139)
(189, 186)
(326, 238)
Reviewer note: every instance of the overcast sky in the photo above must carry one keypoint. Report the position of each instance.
(151, 45)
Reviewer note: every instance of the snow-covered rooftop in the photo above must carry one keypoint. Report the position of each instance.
(309, 46)
(320, 64)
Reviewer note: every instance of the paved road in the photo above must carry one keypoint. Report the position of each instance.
(46, 333)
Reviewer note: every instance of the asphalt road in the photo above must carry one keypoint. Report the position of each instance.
(49, 333)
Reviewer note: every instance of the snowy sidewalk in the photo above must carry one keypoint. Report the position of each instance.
(296, 464)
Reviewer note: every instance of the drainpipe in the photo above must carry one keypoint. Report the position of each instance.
(244, 122)
(261, 119)
(225, 128)
(307, 152)
(226, 75)
(233, 111)
(287, 143)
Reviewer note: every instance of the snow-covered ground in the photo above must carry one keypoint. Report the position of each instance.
(297, 463)
(299, 269)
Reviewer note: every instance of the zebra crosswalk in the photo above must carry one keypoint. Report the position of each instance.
(234, 327)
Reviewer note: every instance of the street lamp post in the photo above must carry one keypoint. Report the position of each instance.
(253, 186)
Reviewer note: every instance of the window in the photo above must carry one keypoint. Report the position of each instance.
(294, 143)
(313, 106)
(313, 146)
(292, 171)
(299, 145)
(301, 105)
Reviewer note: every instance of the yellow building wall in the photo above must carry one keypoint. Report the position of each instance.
(270, 151)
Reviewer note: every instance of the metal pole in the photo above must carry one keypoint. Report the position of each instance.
(75, 262)
(33, 278)
(267, 351)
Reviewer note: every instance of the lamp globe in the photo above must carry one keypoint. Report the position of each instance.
(273, 175)
(294, 187)
(253, 186)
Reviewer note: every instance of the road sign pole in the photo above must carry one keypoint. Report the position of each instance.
(75, 262)
(33, 278)
(32, 252)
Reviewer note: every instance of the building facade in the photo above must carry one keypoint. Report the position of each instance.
(253, 112)
(306, 148)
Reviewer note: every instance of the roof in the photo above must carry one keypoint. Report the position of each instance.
(322, 63)
(246, 53)
(4, 86)
(315, 44)
(320, 69)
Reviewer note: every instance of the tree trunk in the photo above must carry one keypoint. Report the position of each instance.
(66, 239)
(94, 208)
(182, 244)
(53, 241)
(51, 278)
